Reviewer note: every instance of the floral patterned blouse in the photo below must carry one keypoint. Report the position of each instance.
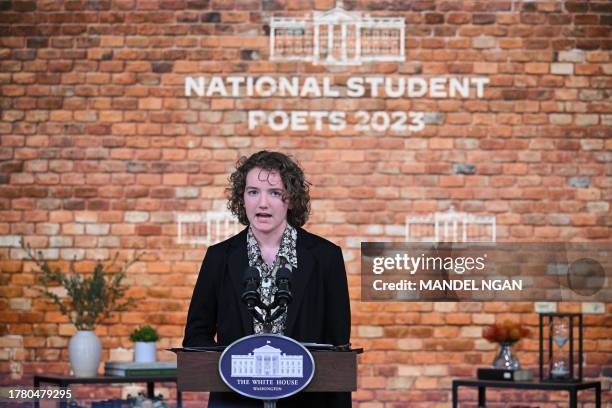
(286, 256)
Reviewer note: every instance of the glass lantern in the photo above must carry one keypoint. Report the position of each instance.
(560, 359)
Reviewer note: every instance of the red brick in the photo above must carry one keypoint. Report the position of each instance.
(148, 229)
(100, 123)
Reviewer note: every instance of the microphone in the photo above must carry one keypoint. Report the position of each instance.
(251, 283)
(283, 284)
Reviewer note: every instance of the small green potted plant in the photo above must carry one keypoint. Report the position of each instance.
(144, 339)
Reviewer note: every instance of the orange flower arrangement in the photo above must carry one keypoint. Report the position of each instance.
(506, 332)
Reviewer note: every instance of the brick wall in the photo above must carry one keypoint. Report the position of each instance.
(100, 150)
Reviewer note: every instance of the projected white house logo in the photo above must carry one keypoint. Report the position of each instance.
(267, 362)
(337, 37)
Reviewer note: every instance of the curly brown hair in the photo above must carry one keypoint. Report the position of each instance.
(296, 186)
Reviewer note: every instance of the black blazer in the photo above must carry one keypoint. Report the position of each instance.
(320, 311)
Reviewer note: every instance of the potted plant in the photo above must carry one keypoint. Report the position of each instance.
(86, 300)
(505, 334)
(144, 339)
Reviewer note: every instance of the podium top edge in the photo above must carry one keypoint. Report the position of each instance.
(219, 349)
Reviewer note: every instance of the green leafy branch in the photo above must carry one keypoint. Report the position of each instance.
(89, 299)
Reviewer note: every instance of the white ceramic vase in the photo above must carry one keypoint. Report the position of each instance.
(84, 350)
(144, 351)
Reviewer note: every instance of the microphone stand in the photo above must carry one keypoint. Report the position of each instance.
(268, 316)
(266, 319)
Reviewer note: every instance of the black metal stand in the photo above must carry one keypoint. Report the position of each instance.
(63, 381)
(575, 321)
(571, 388)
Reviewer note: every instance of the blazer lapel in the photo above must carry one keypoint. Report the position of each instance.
(300, 278)
(237, 263)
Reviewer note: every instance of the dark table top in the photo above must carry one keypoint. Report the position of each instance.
(101, 379)
(539, 385)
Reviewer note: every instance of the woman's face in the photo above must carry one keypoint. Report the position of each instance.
(263, 201)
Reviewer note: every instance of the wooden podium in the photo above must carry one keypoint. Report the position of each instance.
(199, 371)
